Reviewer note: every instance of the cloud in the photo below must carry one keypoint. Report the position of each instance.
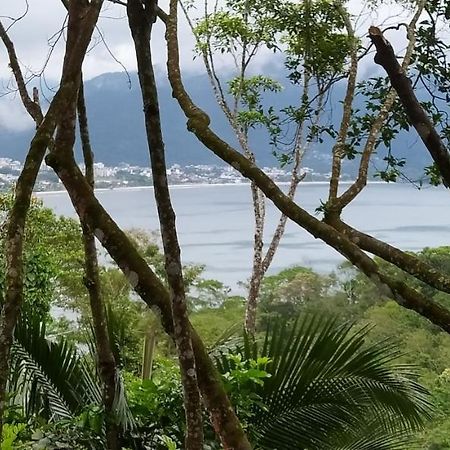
(112, 49)
(33, 35)
(13, 117)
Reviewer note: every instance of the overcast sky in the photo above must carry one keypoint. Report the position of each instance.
(33, 34)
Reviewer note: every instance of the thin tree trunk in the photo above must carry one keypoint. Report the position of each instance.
(339, 147)
(351, 192)
(265, 260)
(260, 262)
(106, 363)
(82, 19)
(140, 19)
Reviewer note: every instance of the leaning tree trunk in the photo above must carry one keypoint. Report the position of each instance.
(198, 123)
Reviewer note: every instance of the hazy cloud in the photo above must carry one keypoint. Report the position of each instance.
(37, 31)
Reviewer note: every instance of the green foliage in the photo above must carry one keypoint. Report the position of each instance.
(274, 384)
(248, 91)
(293, 290)
(428, 349)
(311, 39)
(316, 37)
(53, 256)
(81, 433)
(11, 434)
(212, 323)
(323, 376)
(429, 72)
(241, 379)
(433, 174)
(49, 378)
(157, 404)
(237, 24)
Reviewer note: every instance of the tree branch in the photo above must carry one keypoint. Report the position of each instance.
(31, 106)
(386, 58)
(351, 193)
(407, 262)
(198, 123)
(339, 146)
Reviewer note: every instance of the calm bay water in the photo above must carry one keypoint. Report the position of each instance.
(215, 222)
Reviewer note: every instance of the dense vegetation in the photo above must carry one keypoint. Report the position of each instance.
(337, 326)
(157, 357)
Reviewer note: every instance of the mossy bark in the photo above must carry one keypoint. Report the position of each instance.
(82, 19)
(140, 19)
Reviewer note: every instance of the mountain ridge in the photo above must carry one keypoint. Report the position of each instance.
(117, 129)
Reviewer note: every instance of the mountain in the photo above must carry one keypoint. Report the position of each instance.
(118, 134)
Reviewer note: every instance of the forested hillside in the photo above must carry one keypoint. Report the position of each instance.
(118, 137)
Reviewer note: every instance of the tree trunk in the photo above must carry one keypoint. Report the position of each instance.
(106, 363)
(140, 20)
(419, 119)
(82, 19)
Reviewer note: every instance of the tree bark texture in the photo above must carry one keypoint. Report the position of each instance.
(407, 262)
(82, 19)
(419, 119)
(107, 367)
(140, 19)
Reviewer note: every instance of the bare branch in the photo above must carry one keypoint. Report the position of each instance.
(32, 108)
(114, 56)
(17, 19)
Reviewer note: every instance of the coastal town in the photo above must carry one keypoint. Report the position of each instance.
(126, 175)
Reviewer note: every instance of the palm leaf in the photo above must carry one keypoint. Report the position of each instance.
(48, 377)
(328, 388)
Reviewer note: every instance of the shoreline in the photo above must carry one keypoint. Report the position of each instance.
(199, 185)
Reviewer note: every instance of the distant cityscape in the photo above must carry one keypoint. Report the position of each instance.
(126, 175)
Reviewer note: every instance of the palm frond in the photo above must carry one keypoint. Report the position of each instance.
(328, 388)
(49, 377)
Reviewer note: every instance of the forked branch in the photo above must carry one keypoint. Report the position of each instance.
(198, 123)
